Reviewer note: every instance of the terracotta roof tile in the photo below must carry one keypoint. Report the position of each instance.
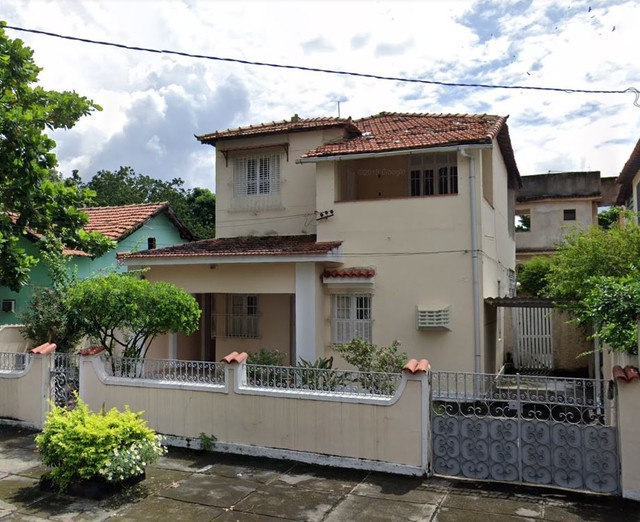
(242, 246)
(92, 350)
(399, 131)
(44, 349)
(349, 272)
(119, 222)
(631, 167)
(626, 374)
(414, 366)
(235, 357)
(277, 127)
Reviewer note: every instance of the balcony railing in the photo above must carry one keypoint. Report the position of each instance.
(13, 362)
(343, 382)
(166, 370)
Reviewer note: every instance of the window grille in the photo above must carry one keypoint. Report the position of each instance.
(350, 317)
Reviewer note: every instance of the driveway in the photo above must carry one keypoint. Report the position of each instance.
(199, 486)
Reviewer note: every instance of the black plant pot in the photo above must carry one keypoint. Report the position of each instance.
(95, 488)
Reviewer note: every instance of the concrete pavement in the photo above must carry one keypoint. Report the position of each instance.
(198, 486)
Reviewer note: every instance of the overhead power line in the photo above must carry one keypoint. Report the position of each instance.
(315, 69)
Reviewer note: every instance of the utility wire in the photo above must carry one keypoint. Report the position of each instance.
(315, 69)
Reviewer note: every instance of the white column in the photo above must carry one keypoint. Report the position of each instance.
(306, 289)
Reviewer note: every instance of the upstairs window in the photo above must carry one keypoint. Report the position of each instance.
(257, 175)
(433, 174)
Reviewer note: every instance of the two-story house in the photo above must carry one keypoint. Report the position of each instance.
(550, 205)
(391, 227)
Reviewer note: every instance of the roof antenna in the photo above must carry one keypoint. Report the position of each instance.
(339, 106)
(636, 92)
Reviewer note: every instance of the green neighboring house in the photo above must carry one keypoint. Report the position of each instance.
(133, 227)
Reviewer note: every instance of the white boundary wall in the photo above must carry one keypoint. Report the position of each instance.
(377, 433)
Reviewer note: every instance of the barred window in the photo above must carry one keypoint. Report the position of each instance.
(350, 317)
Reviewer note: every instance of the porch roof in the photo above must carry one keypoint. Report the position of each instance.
(240, 247)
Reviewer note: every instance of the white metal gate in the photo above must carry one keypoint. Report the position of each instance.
(533, 331)
(549, 431)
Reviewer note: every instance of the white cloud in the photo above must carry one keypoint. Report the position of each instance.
(163, 100)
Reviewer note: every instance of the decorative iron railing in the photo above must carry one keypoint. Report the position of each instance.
(570, 400)
(166, 370)
(13, 362)
(344, 382)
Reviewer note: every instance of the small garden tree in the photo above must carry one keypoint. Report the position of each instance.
(533, 277)
(595, 275)
(125, 313)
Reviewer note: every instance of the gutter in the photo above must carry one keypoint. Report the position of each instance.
(475, 261)
(403, 152)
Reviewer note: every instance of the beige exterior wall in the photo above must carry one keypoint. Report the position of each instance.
(419, 248)
(295, 211)
(24, 395)
(548, 226)
(389, 431)
(261, 278)
(274, 328)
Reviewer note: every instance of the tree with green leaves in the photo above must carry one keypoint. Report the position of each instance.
(125, 313)
(595, 275)
(48, 318)
(196, 207)
(34, 201)
(533, 276)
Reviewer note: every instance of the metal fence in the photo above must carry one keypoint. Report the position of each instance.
(166, 370)
(13, 362)
(551, 431)
(323, 380)
(578, 401)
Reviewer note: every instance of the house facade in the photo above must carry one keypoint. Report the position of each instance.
(132, 227)
(392, 227)
(548, 206)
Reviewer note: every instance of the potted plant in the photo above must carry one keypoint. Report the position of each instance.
(95, 454)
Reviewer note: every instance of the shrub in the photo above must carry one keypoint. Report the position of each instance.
(533, 277)
(368, 357)
(79, 444)
(267, 357)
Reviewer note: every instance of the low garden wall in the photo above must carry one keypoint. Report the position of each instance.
(275, 412)
(24, 388)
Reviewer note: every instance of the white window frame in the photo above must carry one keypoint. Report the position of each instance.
(257, 175)
(433, 174)
(243, 316)
(351, 317)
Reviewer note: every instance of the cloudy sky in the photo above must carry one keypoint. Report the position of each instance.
(153, 104)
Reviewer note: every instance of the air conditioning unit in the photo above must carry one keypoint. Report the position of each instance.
(9, 305)
(429, 319)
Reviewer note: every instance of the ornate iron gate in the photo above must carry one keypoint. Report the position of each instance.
(548, 431)
(65, 379)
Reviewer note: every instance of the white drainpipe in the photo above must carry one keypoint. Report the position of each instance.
(475, 261)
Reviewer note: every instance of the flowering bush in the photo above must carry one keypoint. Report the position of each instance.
(131, 461)
(79, 445)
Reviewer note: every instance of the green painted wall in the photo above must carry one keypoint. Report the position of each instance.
(159, 227)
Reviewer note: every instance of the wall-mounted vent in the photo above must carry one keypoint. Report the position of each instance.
(9, 305)
(434, 319)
